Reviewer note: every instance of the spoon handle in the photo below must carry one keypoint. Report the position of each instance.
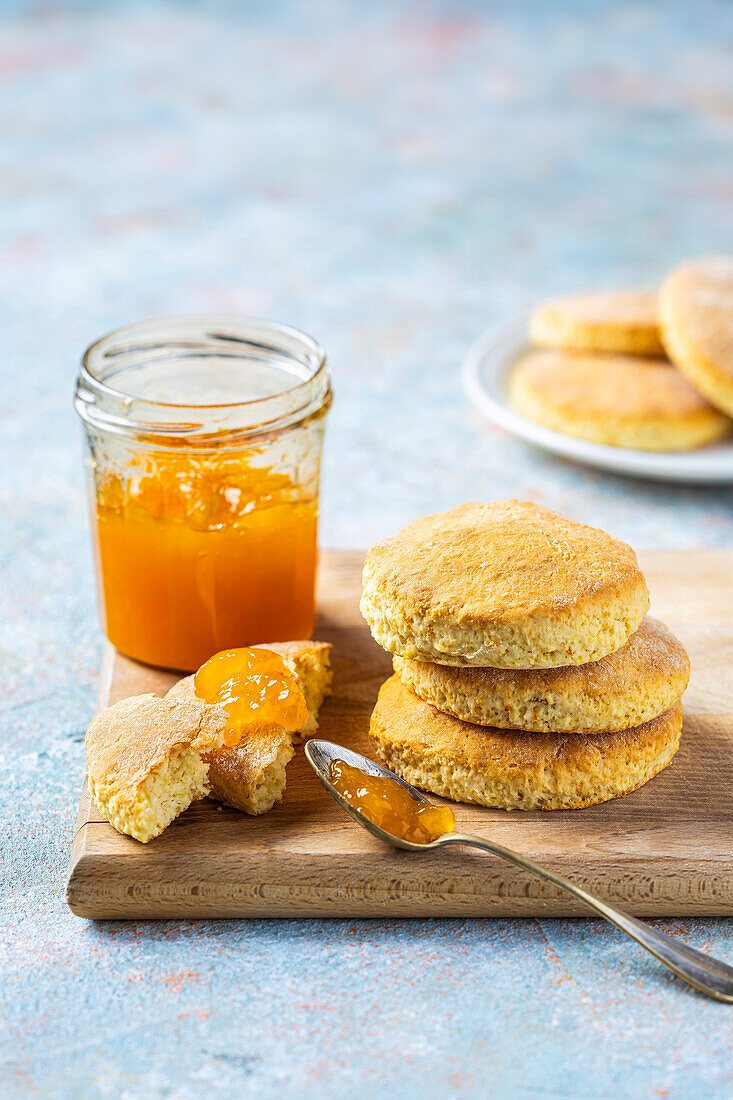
(704, 973)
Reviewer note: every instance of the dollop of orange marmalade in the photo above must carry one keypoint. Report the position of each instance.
(388, 805)
(255, 688)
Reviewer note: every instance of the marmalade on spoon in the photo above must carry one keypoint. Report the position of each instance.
(254, 687)
(389, 805)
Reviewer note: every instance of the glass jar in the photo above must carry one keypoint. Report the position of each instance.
(204, 439)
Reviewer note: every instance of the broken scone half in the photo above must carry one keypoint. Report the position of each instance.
(251, 775)
(147, 760)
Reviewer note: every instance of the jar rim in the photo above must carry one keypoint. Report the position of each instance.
(108, 407)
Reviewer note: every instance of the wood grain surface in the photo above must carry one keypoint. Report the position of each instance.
(665, 850)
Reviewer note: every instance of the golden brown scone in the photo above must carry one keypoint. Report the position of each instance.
(696, 317)
(251, 775)
(627, 688)
(619, 400)
(146, 759)
(510, 769)
(601, 320)
(506, 584)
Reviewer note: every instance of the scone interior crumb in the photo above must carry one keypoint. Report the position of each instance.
(145, 760)
(314, 676)
(165, 793)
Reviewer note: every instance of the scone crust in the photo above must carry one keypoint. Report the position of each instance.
(696, 317)
(602, 320)
(127, 741)
(619, 400)
(251, 776)
(627, 688)
(128, 744)
(512, 770)
(506, 584)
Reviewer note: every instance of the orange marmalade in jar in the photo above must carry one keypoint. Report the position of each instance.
(204, 439)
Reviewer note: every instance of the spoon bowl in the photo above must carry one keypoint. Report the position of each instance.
(704, 973)
(320, 756)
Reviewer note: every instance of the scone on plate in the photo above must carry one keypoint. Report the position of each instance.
(147, 760)
(696, 315)
(619, 400)
(251, 775)
(599, 320)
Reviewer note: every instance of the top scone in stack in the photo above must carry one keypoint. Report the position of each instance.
(526, 673)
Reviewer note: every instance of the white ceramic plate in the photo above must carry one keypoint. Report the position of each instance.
(486, 378)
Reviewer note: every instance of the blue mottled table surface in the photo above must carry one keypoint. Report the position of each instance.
(393, 178)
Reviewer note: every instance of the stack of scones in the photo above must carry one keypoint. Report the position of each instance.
(527, 675)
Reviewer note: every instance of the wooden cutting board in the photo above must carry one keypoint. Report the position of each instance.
(667, 849)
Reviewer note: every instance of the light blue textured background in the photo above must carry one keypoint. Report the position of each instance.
(392, 177)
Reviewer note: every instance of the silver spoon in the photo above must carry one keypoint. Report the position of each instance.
(704, 973)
